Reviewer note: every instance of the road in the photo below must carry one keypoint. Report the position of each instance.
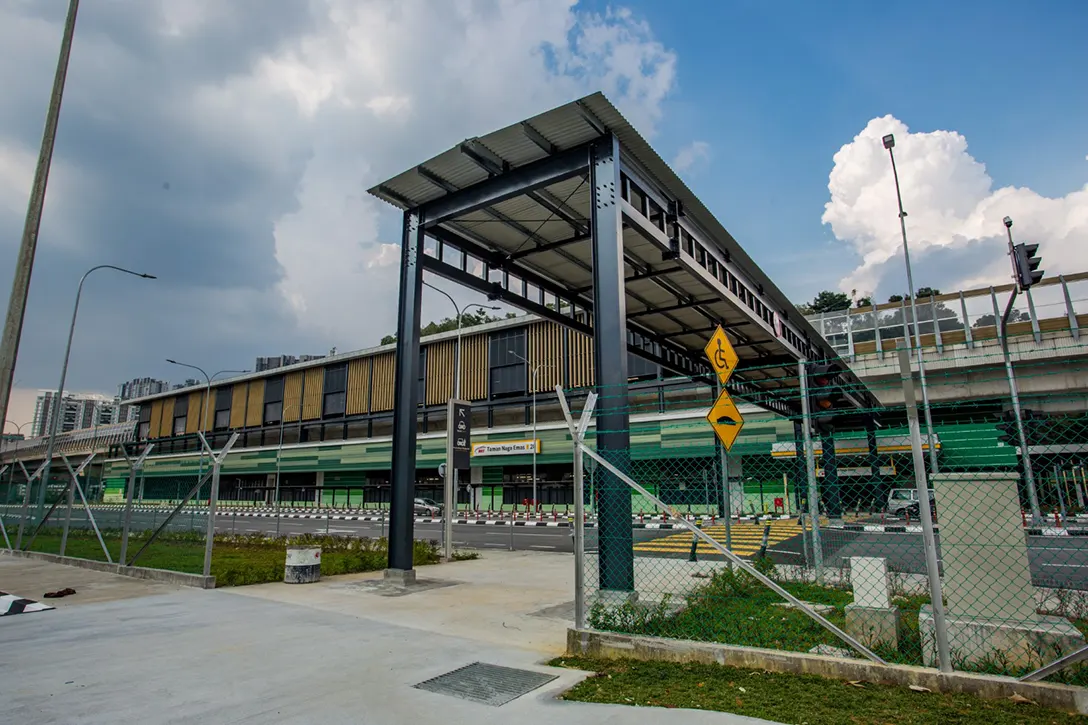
(1055, 561)
(471, 536)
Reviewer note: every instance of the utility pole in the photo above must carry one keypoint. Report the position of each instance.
(24, 265)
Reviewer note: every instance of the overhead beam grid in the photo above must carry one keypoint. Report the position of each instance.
(509, 215)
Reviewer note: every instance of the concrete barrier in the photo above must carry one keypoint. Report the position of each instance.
(197, 581)
(610, 645)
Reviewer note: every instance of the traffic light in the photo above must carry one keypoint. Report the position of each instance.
(1026, 265)
(825, 392)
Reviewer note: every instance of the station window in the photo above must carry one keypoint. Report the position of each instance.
(273, 400)
(336, 385)
(181, 410)
(509, 373)
(222, 407)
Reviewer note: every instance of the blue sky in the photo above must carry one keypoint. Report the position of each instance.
(227, 147)
(776, 88)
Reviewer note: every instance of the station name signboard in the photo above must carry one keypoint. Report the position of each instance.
(506, 448)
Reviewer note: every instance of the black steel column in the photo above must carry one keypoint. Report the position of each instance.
(406, 394)
(829, 463)
(800, 469)
(610, 364)
(877, 491)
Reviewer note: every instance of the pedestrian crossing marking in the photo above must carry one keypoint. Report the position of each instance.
(746, 539)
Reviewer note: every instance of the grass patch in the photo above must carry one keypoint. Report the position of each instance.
(790, 698)
(238, 560)
(732, 607)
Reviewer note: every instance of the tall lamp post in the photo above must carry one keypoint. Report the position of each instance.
(450, 487)
(279, 454)
(889, 143)
(54, 421)
(535, 371)
(204, 405)
(28, 247)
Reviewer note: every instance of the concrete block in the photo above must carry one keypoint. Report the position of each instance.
(1017, 643)
(869, 580)
(873, 625)
(983, 549)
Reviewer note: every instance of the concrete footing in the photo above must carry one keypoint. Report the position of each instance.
(400, 577)
(873, 625)
(1019, 644)
(620, 646)
(136, 572)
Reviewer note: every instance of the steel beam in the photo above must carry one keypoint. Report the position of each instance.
(616, 558)
(504, 184)
(406, 394)
(672, 308)
(548, 247)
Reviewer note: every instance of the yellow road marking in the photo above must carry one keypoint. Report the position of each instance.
(746, 539)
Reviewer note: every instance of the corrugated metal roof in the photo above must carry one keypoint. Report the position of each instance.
(569, 126)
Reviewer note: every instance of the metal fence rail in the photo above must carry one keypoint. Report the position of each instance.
(840, 528)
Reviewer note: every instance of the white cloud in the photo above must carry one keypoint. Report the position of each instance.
(228, 147)
(690, 155)
(386, 255)
(951, 206)
(444, 72)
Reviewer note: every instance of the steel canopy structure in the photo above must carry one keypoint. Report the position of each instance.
(572, 216)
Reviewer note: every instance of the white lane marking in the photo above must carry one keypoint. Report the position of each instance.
(539, 546)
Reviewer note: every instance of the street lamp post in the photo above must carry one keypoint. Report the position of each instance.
(54, 420)
(535, 371)
(450, 485)
(204, 404)
(279, 453)
(889, 143)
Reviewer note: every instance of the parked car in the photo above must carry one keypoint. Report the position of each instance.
(902, 500)
(426, 507)
(914, 511)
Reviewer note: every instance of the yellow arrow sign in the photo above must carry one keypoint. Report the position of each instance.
(726, 420)
(723, 358)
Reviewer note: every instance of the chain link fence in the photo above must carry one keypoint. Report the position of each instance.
(867, 517)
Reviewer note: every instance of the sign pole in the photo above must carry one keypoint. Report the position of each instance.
(458, 452)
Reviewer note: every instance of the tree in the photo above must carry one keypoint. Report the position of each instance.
(926, 292)
(448, 324)
(864, 302)
(895, 298)
(825, 301)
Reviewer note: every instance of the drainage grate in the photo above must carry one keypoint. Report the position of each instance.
(487, 684)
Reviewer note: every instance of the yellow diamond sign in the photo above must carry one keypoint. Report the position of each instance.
(725, 419)
(723, 358)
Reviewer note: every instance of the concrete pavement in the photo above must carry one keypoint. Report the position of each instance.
(334, 652)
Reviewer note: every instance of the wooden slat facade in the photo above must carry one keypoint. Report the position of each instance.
(238, 396)
(440, 365)
(474, 370)
(381, 391)
(580, 354)
(255, 404)
(312, 386)
(292, 396)
(546, 350)
(156, 419)
(192, 420)
(166, 426)
(358, 386)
